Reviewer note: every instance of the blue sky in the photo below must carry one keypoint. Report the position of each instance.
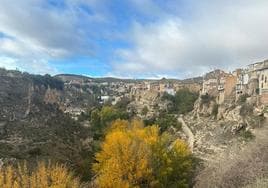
(132, 38)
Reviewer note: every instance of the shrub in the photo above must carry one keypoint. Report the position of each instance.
(205, 99)
(247, 135)
(144, 110)
(215, 110)
(246, 109)
(242, 98)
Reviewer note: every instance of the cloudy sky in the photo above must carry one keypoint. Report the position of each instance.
(132, 38)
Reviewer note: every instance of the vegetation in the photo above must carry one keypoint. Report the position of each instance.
(44, 176)
(215, 110)
(246, 135)
(246, 109)
(164, 120)
(242, 98)
(182, 102)
(259, 183)
(101, 118)
(122, 104)
(205, 99)
(136, 156)
(47, 81)
(144, 111)
(246, 165)
(167, 120)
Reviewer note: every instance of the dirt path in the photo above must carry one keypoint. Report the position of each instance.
(29, 100)
(188, 133)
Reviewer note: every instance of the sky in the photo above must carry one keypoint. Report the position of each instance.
(132, 38)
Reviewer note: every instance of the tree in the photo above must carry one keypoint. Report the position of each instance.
(182, 102)
(167, 120)
(172, 163)
(144, 110)
(42, 177)
(136, 156)
(108, 114)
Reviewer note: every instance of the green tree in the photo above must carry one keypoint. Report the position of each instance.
(182, 102)
(167, 120)
(144, 110)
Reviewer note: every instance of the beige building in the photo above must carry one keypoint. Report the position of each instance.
(227, 88)
(211, 82)
(263, 86)
(258, 73)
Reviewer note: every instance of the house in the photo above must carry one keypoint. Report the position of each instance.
(263, 85)
(258, 75)
(242, 80)
(227, 88)
(211, 82)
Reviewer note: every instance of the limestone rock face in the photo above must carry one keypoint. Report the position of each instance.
(233, 114)
(204, 108)
(52, 96)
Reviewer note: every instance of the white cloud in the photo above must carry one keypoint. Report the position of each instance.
(40, 66)
(217, 35)
(53, 32)
(36, 32)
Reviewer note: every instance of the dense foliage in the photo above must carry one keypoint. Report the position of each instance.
(182, 102)
(136, 156)
(101, 118)
(164, 120)
(44, 176)
(47, 81)
(206, 99)
(167, 120)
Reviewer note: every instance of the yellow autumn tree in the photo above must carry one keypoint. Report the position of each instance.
(44, 176)
(131, 153)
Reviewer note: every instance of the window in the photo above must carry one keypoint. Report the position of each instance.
(262, 77)
(261, 85)
(265, 79)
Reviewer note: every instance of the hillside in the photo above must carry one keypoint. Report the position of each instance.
(32, 126)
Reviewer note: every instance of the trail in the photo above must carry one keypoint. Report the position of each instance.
(29, 101)
(188, 133)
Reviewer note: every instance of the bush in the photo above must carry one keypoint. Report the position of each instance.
(215, 110)
(242, 98)
(206, 99)
(246, 135)
(246, 109)
(144, 110)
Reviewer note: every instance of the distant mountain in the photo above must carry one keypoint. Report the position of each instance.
(69, 77)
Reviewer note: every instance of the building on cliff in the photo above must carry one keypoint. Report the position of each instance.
(226, 87)
(212, 81)
(262, 73)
